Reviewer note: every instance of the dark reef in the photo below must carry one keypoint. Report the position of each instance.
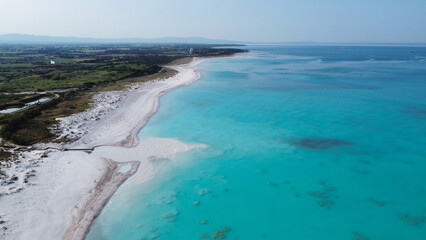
(319, 143)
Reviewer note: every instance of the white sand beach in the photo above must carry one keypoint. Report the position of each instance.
(70, 188)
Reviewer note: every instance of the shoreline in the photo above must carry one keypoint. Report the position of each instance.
(81, 224)
(66, 207)
(118, 116)
(109, 183)
(132, 139)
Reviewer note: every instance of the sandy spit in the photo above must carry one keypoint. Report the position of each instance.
(99, 196)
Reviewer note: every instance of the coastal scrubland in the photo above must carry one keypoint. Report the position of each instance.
(70, 74)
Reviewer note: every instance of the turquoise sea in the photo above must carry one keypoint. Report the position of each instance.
(305, 142)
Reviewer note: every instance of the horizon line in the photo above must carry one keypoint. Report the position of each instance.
(306, 42)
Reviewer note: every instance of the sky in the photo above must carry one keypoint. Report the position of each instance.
(328, 21)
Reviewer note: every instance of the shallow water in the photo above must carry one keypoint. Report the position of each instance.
(304, 143)
(124, 169)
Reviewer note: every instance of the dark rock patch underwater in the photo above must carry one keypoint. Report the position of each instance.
(319, 143)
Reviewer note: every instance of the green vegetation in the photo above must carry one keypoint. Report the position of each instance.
(71, 74)
(29, 68)
(17, 100)
(23, 128)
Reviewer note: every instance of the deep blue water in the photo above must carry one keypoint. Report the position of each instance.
(305, 142)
